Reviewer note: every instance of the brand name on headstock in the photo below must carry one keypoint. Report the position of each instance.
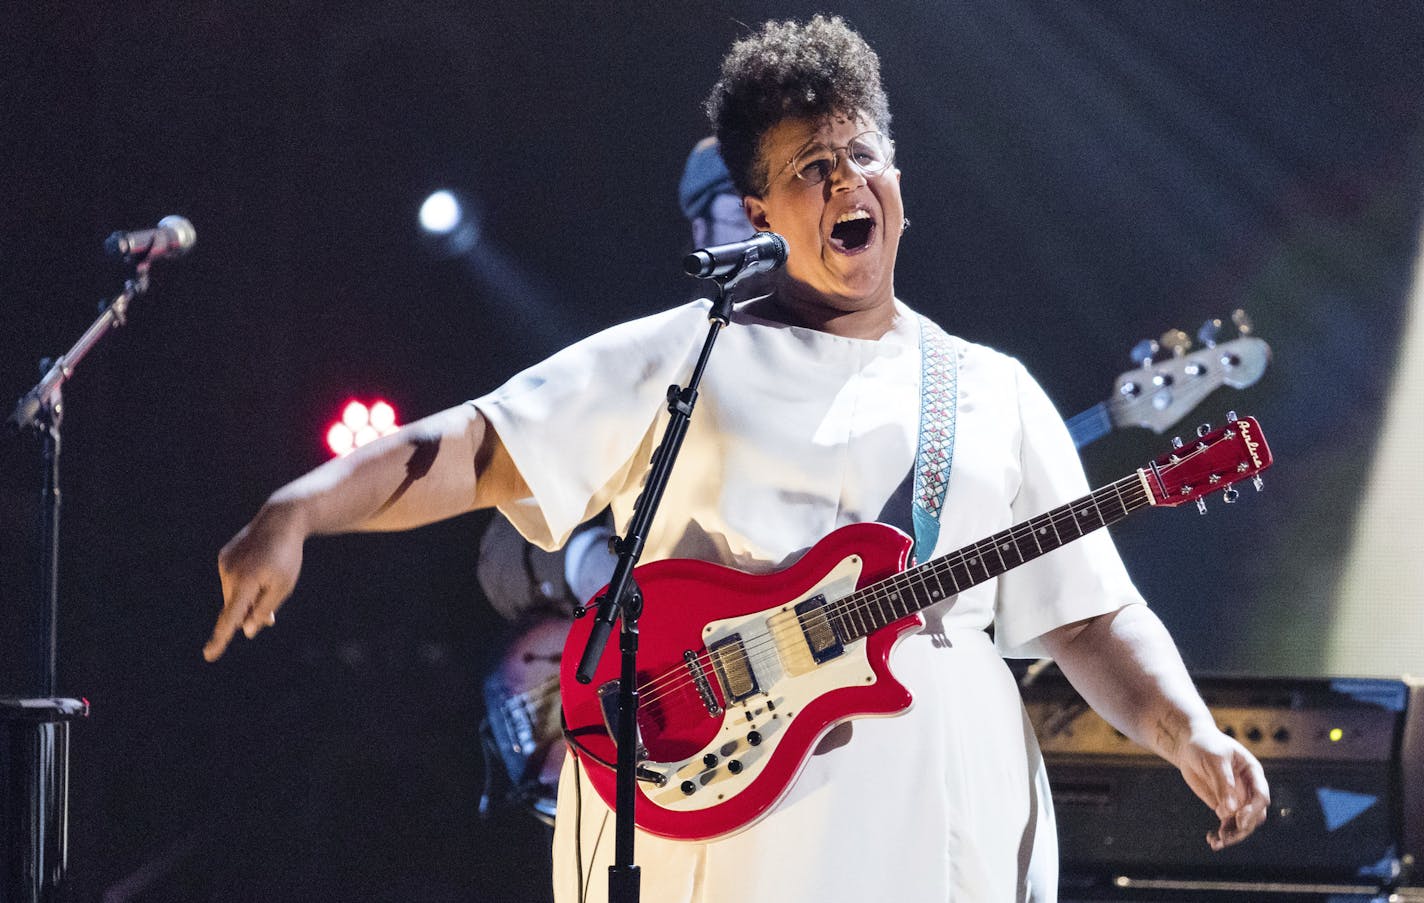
(1252, 445)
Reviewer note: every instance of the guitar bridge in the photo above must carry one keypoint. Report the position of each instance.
(704, 686)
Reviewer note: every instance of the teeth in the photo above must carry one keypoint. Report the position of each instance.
(852, 215)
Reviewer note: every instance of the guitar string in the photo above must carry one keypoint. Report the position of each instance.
(753, 653)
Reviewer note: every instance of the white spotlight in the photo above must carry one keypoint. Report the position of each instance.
(441, 213)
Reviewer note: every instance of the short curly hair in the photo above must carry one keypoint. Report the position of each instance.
(819, 68)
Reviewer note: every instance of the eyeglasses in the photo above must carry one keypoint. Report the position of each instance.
(870, 152)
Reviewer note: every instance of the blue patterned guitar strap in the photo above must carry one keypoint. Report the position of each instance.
(939, 403)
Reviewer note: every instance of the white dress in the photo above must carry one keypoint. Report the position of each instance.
(796, 433)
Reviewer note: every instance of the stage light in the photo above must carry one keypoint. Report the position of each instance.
(383, 416)
(441, 213)
(340, 439)
(449, 224)
(359, 424)
(355, 415)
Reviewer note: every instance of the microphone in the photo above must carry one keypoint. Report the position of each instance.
(173, 237)
(762, 253)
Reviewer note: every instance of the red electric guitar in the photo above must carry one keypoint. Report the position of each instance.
(740, 675)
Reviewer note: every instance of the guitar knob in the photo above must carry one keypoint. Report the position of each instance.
(1202, 430)
(734, 766)
(1230, 495)
(1209, 332)
(754, 738)
(1242, 321)
(688, 788)
(1143, 352)
(710, 760)
(1176, 341)
(1201, 505)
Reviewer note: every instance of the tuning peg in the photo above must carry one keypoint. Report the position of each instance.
(1143, 352)
(1201, 505)
(1209, 332)
(1242, 321)
(1176, 341)
(1202, 430)
(1230, 416)
(1230, 495)
(1256, 481)
(1176, 441)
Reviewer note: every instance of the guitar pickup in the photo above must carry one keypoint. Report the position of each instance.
(821, 637)
(734, 669)
(805, 636)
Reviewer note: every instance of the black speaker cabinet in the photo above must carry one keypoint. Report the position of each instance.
(1344, 758)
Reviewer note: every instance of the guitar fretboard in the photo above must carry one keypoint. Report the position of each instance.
(900, 596)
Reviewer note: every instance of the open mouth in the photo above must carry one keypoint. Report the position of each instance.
(852, 230)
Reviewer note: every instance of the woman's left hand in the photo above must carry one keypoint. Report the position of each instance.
(1226, 777)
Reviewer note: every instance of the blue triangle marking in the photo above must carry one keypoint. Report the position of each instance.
(1342, 806)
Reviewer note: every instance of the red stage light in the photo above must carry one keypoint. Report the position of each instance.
(355, 415)
(360, 424)
(340, 439)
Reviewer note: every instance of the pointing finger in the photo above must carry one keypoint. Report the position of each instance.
(229, 619)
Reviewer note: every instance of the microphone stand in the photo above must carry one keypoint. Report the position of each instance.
(42, 409)
(624, 597)
(38, 786)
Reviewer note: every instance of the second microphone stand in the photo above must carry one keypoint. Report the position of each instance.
(34, 731)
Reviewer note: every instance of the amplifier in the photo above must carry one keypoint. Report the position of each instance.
(1344, 758)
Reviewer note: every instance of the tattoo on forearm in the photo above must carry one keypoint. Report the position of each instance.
(1169, 733)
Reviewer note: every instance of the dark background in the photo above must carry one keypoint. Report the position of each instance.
(1080, 176)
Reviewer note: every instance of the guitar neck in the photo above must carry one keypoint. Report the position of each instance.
(1091, 425)
(874, 606)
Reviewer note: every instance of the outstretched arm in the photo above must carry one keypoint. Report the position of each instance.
(446, 464)
(1126, 666)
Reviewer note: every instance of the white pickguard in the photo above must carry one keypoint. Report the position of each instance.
(710, 773)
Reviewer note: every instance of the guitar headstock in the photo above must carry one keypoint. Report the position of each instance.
(1214, 460)
(1159, 393)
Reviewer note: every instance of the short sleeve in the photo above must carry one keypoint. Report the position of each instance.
(580, 426)
(1084, 578)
